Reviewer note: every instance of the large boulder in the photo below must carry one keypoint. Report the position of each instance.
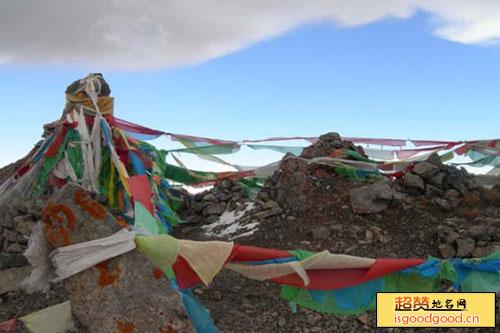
(124, 294)
(425, 170)
(371, 198)
(414, 182)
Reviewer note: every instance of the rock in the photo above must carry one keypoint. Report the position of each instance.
(121, 291)
(432, 191)
(198, 207)
(226, 184)
(330, 143)
(435, 160)
(198, 291)
(457, 180)
(465, 247)
(291, 218)
(24, 225)
(194, 219)
(481, 243)
(384, 239)
(472, 184)
(8, 220)
(20, 206)
(364, 319)
(369, 236)
(321, 233)
(10, 279)
(336, 228)
(447, 251)
(15, 248)
(478, 232)
(480, 252)
(216, 209)
(413, 181)
(332, 136)
(216, 295)
(371, 199)
(247, 306)
(437, 180)
(451, 194)
(443, 203)
(212, 219)
(9, 260)
(271, 204)
(452, 236)
(267, 213)
(11, 236)
(228, 196)
(315, 329)
(209, 197)
(39, 204)
(264, 195)
(494, 233)
(425, 170)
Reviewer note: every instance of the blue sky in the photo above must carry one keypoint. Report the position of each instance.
(391, 78)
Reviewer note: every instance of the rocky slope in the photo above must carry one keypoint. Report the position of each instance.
(434, 209)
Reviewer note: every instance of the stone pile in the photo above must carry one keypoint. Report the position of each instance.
(228, 196)
(331, 145)
(206, 207)
(16, 224)
(435, 179)
(441, 184)
(465, 238)
(294, 181)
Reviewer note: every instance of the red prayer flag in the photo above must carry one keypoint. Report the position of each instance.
(141, 191)
(8, 326)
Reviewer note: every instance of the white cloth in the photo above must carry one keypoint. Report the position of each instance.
(72, 259)
(261, 172)
(379, 154)
(90, 172)
(64, 169)
(37, 254)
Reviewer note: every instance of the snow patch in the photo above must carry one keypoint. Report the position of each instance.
(228, 226)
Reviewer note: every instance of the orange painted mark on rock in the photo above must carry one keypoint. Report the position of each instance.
(157, 273)
(45, 212)
(122, 222)
(93, 208)
(125, 327)
(107, 277)
(56, 218)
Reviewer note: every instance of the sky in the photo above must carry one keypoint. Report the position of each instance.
(249, 70)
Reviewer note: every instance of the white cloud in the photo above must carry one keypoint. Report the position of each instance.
(466, 21)
(151, 34)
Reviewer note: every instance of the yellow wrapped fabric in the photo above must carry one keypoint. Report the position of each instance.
(105, 103)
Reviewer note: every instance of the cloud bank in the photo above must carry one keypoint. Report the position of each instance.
(155, 34)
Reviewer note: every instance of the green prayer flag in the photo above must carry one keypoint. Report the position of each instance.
(162, 250)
